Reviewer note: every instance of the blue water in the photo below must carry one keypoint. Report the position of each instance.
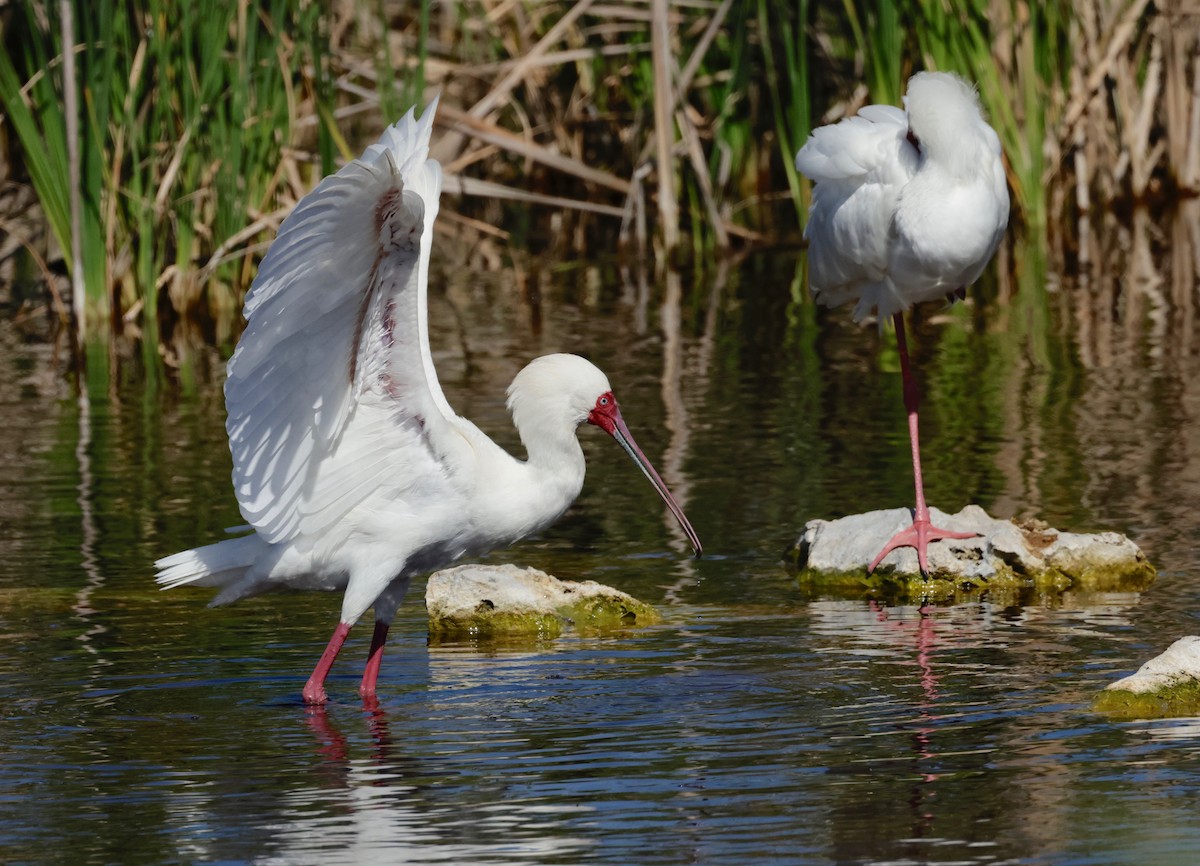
(765, 720)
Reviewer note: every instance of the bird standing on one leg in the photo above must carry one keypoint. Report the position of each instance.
(348, 463)
(907, 206)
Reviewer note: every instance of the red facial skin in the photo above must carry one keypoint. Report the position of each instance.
(605, 413)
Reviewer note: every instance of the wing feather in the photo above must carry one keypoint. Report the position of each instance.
(331, 394)
(858, 167)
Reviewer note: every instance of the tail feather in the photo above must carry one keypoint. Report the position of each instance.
(217, 564)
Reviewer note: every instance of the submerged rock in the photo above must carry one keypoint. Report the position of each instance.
(1004, 553)
(1167, 685)
(507, 601)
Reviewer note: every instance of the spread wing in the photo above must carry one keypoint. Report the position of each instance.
(331, 393)
(858, 167)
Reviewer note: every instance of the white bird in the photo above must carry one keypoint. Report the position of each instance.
(349, 465)
(907, 206)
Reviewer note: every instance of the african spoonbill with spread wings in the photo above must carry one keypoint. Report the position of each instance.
(350, 467)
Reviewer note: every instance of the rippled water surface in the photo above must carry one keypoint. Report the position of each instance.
(765, 720)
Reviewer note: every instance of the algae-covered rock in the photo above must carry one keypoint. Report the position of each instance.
(1003, 554)
(507, 601)
(1167, 685)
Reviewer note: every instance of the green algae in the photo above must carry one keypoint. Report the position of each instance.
(607, 613)
(593, 615)
(1010, 584)
(487, 622)
(900, 588)
(1182, 699)
(1130, 577)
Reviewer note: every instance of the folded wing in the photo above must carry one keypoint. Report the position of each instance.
(858, 167)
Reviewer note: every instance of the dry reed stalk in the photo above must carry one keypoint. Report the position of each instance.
(559, 58)
(1121, 36)
(463, 185)
(1185, 272)
(469, 158)
(225, 251)
(1191, 172)
(643, 16)
(1175, 91)
(701, 49)
(1134, 106)
(1179, 30)
(664, 129)
(484, 228)
(71, 98)
(60, 309)
(519, 71)
(634, 212)
(464, 122)
(1139, 105)
(168, 178)
(703, 181)
(118, 154)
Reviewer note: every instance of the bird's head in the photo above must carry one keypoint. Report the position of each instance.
(554, 394)
(944, 113)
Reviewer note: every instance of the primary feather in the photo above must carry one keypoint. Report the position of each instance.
(337, 424)
(336, 331)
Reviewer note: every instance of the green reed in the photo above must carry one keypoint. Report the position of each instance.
(784, 35)
(186, 107)
(1019, 56)
(32, 96)
(189, 105)
(876, 29)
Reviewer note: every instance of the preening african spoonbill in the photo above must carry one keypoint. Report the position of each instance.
(349, 465)
(907, 206)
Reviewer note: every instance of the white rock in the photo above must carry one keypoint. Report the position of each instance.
(479, 593)
(1178, 665)
(848, 545)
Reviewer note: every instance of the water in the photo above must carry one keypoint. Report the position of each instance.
(764, 721)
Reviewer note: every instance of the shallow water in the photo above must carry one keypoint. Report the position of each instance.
(764, 720)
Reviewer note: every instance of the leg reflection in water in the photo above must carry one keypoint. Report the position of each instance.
(332, 744)
(925, 763)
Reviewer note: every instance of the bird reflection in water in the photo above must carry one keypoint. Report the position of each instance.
(332, 743)
(925, 762)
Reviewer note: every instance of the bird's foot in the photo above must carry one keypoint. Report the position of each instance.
(918, 536)
(314, 693)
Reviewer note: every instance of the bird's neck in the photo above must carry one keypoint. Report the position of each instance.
(555, 459)
(553, 449)
(959, 158)
(528, 496)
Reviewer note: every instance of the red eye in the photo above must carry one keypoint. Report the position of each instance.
(604, 414)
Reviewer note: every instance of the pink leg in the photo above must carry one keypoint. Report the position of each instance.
(314, 689)
(371, 672)
(922, 531)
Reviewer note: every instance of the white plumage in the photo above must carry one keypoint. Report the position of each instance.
(350, 467)
(907, 206)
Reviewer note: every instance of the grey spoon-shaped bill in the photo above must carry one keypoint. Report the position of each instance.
(608, 418)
